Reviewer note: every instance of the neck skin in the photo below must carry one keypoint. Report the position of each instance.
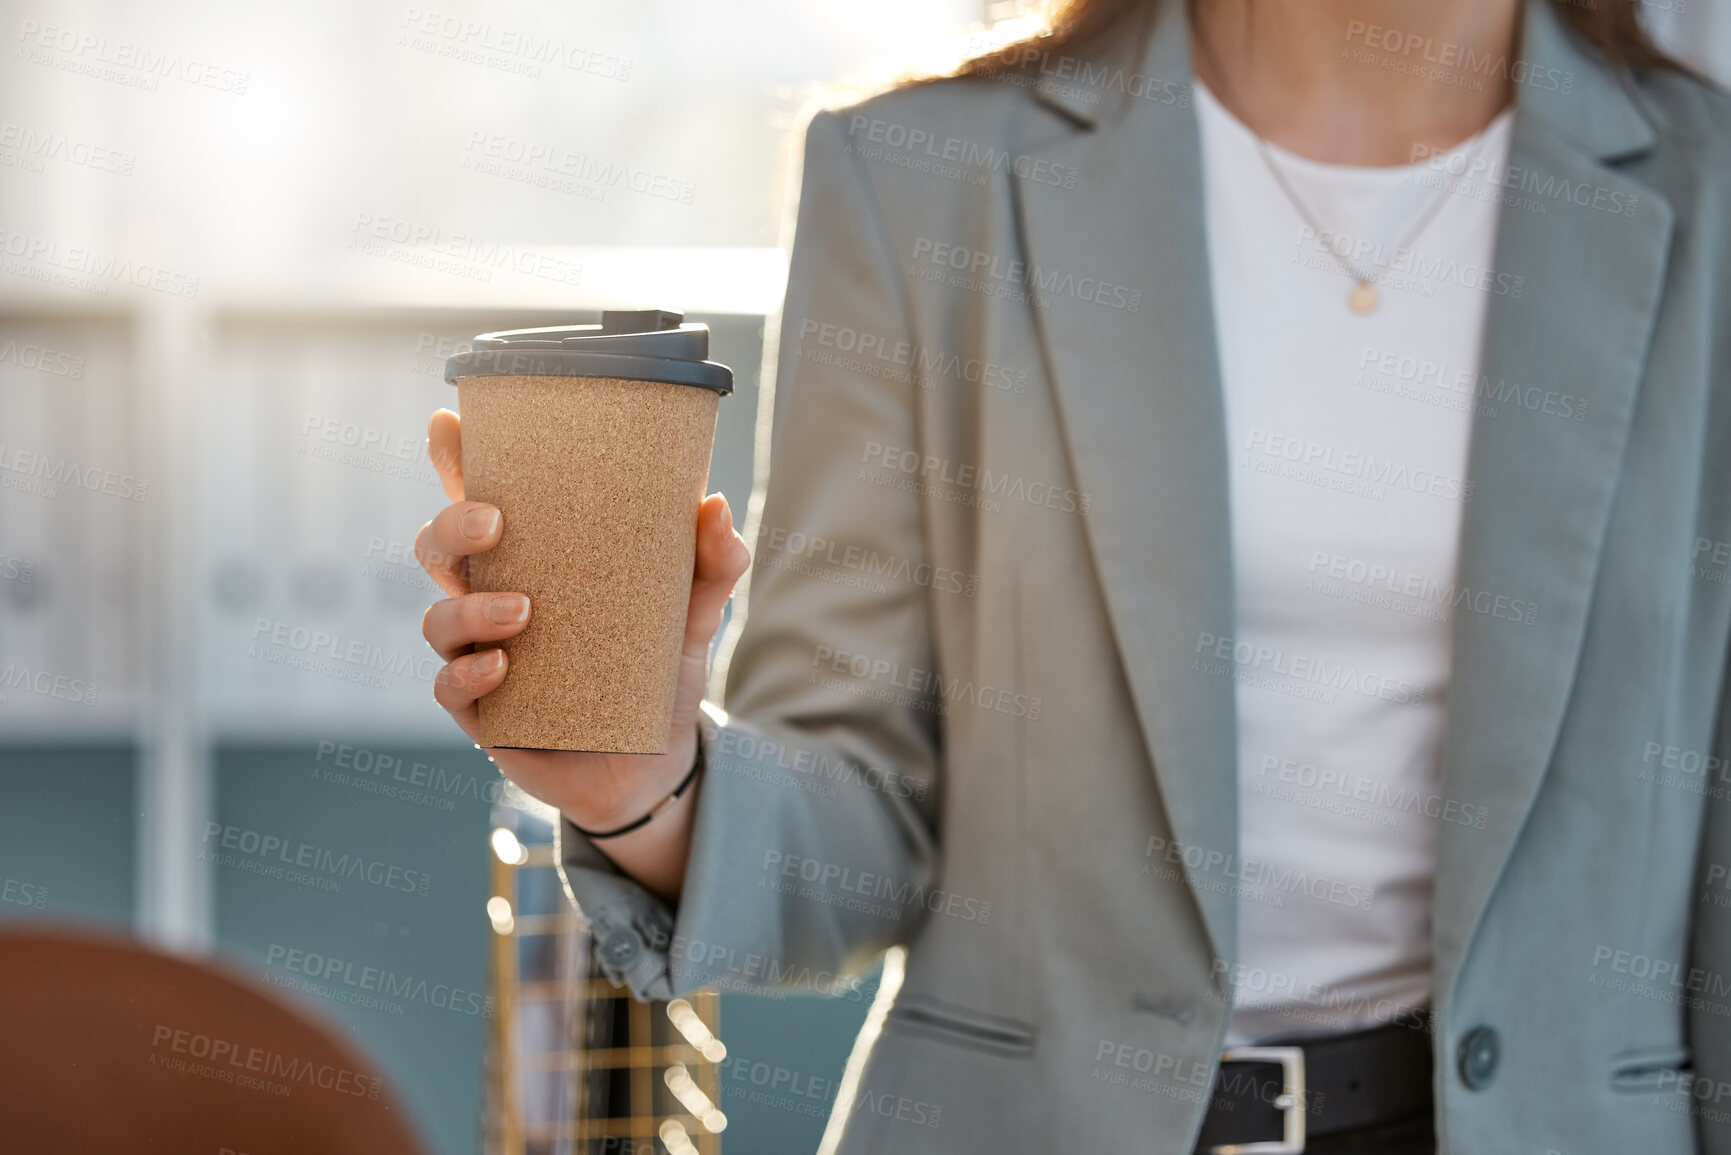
(1359, 82)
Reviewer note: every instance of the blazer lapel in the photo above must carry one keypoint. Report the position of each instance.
(1543, 484)
(1139, 396)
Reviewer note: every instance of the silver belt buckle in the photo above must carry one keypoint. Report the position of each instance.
(1290, 1101)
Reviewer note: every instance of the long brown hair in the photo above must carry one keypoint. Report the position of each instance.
(1612, 26)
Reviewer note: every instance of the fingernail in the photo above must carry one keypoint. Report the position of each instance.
(507, 609)
(489, 662)
(479, 523)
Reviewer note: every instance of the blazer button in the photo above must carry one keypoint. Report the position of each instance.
(619, 949)
(1477, 1057)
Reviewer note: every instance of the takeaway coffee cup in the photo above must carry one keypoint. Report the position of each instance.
(594, 442)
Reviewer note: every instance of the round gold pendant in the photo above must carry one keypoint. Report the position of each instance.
(1364, 298)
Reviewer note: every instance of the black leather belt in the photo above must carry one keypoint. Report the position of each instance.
(1271, 1098)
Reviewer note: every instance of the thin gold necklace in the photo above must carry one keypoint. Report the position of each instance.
(1364, 298)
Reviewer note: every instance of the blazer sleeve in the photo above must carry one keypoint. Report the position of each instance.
(1707, 985)
(815, 820)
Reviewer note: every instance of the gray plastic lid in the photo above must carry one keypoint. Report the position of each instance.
(630, 344)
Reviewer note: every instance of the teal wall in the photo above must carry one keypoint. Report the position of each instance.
(785, 1059)
(66, 841)
(66, 833)
(331, 808)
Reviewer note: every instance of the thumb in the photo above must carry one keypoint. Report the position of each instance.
(722, 559)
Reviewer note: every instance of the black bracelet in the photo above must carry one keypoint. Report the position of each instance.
(696, 765)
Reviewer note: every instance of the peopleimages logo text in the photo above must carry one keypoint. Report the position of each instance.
(978, 269)
(271, 849)
(323, 968)
(102, 267)
(64, 471)
(911, 139)
(238, 1057)
(323, 643)
(48, 684)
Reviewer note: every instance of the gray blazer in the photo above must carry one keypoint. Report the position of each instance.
(981, 710)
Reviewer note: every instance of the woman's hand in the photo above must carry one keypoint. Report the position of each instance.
(596, 791)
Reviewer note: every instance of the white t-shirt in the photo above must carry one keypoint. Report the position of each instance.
(1348, 439)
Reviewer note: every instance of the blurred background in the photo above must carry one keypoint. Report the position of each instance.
(237, 243)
